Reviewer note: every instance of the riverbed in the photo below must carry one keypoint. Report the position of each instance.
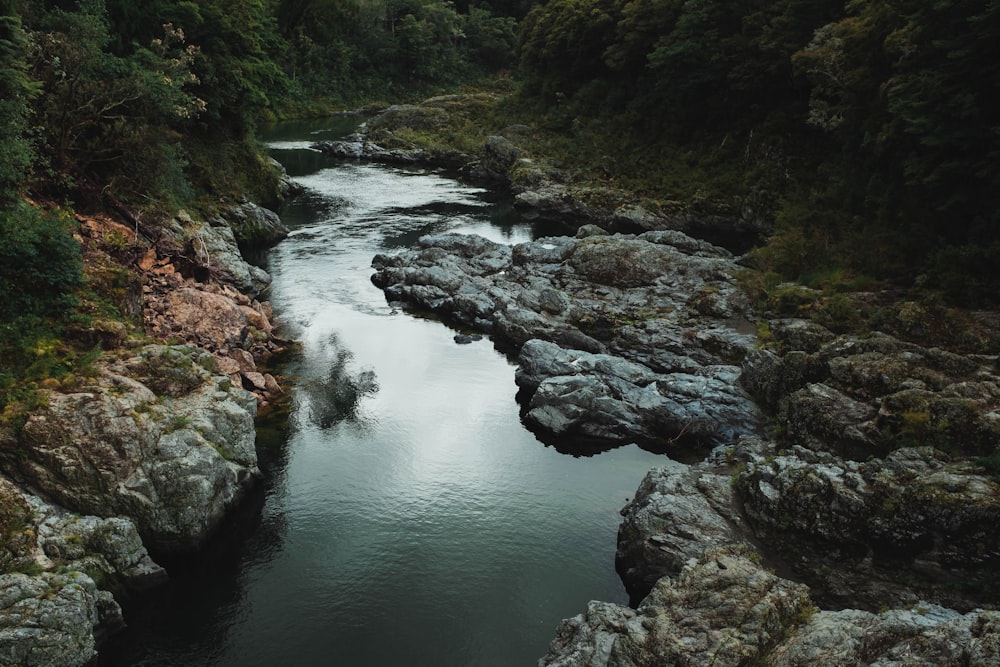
(407, 516)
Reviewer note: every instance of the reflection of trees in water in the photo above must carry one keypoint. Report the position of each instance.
(334, 397)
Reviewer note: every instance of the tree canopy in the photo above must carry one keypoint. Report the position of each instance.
(879, 118)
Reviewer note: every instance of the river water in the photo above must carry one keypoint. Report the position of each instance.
(407, 517)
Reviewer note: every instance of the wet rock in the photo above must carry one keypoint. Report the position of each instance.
(56, 615)
(678, 513)
(724, 608)
(106, 547)
(369, 150)
(603, 396)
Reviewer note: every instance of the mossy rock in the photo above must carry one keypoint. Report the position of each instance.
(16, 527)
(409, 116)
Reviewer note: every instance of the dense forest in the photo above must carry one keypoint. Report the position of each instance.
(867, 134)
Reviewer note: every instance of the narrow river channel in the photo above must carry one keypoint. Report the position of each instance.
(407, 518)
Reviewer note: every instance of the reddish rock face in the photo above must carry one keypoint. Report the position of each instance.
(213, 320)
(218, 318)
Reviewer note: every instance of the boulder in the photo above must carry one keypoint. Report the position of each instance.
(56, 615)
(922, 635)
(878, 533)
(213, 320)
(602, 396)
(679, 512)
(724, 608)
(216, 248)
(721, 609)
(498, 158)
(173, 450)
(50, 620)
(252, 225)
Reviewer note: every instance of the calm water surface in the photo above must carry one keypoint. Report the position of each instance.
(407, 518)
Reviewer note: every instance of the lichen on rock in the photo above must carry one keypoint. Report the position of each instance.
(175, 462)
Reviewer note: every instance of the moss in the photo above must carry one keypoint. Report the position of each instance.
(177, 422)
(222, 451)
(16, 533)
(173, 371)
(990, 465)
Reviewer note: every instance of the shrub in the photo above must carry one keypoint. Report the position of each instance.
(39, 263)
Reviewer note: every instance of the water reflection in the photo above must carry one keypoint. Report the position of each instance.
(334, 397)
(407, 516)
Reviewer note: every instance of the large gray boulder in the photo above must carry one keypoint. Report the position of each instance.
(49, 620)
(251, 224)
(61, 569)
(157, 437)
(603, 396)
(679, 512)
(217, 249)
(724, 608)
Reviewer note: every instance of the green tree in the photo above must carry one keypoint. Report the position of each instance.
(39, 263)
(562, 44)
(910, 90)
(16, 89)
(107, 121)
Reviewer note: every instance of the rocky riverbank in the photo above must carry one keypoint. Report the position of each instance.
(876, 492)
(151, 446)
(426, 134)
(621, 338)
(846, 512)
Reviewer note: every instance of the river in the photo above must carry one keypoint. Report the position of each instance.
(407, 517)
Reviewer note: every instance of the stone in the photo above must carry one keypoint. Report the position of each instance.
(674, 518)
(174, 461)
(724, 608)
(721, 609)
(621, 296)
(603, 396)
(923, 635)
(48, 620)
(211, 319)
(877, 533)
(216, 248)
(251, 224)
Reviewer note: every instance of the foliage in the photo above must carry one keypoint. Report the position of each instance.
(39, 263)
(40, 270)
(358, 50)
(16, 89)
(868, 130)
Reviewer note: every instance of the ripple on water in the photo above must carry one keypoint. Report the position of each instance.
(420, 524)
